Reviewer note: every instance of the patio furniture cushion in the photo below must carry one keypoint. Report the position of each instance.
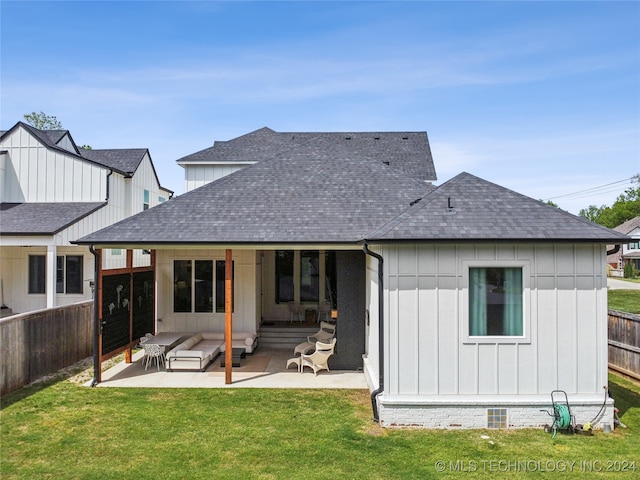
(197, 351)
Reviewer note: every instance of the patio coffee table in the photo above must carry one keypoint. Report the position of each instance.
(236, 355)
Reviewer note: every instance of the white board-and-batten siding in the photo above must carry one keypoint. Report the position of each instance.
(433, 367)
(198, 175)
(246, 313)
(38, 174)
(564, 345)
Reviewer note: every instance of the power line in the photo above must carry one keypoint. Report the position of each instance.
(607, 188)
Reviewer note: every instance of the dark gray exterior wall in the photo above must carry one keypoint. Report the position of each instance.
(350, 332)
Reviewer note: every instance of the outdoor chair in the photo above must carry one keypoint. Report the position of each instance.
(324, 309)
(153, 352)
(327, 332)
(318, 360)
(295, 310)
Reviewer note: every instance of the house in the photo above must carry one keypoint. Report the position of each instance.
(52, 192)
(630, 252)
(464, 304)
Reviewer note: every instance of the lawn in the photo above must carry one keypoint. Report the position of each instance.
(625, 300)
(62, 430)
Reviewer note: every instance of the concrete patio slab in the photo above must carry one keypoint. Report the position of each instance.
(266, 368)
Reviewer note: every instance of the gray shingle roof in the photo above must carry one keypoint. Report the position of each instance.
(483, 211)
(407, 151)
(42, 218)
(628, 226)
(122, 160)
(322, 191)
(317, 192)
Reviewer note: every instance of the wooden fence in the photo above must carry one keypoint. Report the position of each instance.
(38, 343)
(624, 343)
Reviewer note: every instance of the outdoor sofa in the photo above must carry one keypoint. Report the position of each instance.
(199, 350)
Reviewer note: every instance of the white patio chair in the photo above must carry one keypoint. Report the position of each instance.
(326, 333)
(318, 360)
(153, 352)
(295, 310)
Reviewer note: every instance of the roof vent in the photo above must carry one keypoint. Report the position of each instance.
(405, 138)
(376, 138)
(347, 138)
(386, 162)
(449, 206)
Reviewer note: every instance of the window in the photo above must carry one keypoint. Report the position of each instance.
(69, 273)
(495, 302)
(193, 286)
(204, 286)
(116, 251)
(220, 277)
(182, 286)
(634, 245)
(298, 276)
(37, 273)
(161, 199)
(145, 204)
(309, 276)
(284, 276)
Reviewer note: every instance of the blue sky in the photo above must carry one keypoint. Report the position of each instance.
(541, 97)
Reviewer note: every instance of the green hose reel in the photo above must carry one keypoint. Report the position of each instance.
(562, 417)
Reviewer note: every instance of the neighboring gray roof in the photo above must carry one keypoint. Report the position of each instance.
(628, 226)
(317, 192)
(42, 218)
(122, 160)
(322, 192)
(407, 151)
(484, 211)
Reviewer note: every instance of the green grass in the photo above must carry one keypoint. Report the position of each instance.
(625, 300)
(64, 430)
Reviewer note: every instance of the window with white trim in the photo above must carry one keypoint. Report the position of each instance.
(496, 302)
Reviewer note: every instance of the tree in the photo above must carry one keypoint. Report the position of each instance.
(626, 207)
(42, 121)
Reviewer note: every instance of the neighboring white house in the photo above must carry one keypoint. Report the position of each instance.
(465, 304)
(52, 192)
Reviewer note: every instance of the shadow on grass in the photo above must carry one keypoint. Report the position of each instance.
(83, 367)
(624, 397)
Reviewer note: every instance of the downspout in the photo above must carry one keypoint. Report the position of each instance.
(96, 327)
(108, 175)
(615, 249)
(380, 389)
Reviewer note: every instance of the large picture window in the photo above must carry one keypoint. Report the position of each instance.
(193, 282)
(495, 301)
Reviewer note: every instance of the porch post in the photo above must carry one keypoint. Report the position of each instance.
(50, 276)
(228, 323)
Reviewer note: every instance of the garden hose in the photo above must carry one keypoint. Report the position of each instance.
(562, 417)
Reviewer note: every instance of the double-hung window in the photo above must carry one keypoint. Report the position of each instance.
(496, 301)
